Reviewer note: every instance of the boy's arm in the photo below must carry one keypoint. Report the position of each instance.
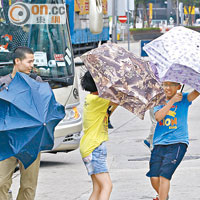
(159, 115)
(192, 95)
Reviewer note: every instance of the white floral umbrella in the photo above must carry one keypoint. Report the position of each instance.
(179, 46)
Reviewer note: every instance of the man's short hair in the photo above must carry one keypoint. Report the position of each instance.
(88, 83)
(20, 52)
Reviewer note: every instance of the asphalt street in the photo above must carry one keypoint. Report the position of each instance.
(63, 176)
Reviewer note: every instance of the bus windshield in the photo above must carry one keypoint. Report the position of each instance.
(50, 43)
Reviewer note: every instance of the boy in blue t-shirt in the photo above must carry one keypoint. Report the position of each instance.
(170, 138)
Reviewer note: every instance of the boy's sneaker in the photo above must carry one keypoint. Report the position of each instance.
(146, 142)
(110, 125)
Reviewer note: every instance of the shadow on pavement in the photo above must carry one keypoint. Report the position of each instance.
(53, 163)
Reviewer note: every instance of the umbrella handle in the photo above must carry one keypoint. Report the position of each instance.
(182, 88)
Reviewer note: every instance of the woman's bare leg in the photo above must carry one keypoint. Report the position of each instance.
(96, 189)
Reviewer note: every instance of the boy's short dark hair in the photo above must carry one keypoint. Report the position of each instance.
(88, 83)
(20, 52)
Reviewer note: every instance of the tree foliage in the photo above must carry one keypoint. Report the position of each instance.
(144, 4)
(188, 4)
(136, 4)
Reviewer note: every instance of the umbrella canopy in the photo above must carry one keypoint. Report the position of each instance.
(28, 116)
(176, 56)
(123, 78)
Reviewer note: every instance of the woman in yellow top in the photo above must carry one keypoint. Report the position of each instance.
(92, 145)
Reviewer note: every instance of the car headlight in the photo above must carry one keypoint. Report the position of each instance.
(71, 114)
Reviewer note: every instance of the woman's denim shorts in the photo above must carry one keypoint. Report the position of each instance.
(96, 162)
(165, 159)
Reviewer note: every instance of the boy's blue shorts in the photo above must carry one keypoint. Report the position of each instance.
(165, 159)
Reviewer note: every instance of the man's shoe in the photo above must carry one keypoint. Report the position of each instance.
(10, 195)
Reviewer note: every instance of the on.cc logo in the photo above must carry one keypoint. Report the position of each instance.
(19, 14)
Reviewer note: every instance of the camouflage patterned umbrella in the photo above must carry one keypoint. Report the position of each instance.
(123, 78)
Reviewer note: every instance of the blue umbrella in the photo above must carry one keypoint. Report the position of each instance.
(28, 116)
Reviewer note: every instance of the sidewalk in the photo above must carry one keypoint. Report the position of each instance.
(63, 176)
(129, 177)
(128, 160)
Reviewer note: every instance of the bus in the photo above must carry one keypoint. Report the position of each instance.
(82, 38)
(43, 26)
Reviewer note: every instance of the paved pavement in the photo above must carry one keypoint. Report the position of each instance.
(63, 176)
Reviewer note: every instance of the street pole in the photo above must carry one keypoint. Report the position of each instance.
(128, 29)
(181, 12)
(114, 21)
(177, 12)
